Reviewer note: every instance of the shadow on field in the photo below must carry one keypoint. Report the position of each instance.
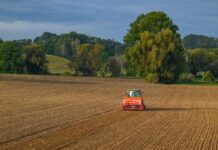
(177, 109)
(167, 109)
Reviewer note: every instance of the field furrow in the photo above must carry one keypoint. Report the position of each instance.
(48, 112)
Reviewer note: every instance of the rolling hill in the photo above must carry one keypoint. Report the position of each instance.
(58, 65)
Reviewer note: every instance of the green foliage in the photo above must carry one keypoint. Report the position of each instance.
(125, 67)
(199, 41)
(114, 67)
(24, 42)
(152, 22)
(67, 73)
(200, 60)
(215, 50)
(47, 42)
(208, 76)
(104, 57)
(35, 59)
(154, 47)
(186, 77)
(119, 49)
(198, 82)
(64, 45)
(152, 77)
(160, 54)
(65, 48)
(11, 57)
(87, 59)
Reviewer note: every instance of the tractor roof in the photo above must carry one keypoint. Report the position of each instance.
(133, 90)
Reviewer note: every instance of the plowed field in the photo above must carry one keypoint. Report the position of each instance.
(43, 112)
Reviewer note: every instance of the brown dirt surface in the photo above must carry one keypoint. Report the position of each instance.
(50, 112)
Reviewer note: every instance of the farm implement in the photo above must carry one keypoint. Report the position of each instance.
(132, 101)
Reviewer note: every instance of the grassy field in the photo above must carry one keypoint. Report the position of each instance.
(58, 65)
(197, 82)
(63, 112)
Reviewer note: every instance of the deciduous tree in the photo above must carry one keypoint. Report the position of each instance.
(35, 59)
(154, 48)
(87, 59)
(11, 57)
(114, 67)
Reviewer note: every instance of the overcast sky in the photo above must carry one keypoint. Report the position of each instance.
(104, 18)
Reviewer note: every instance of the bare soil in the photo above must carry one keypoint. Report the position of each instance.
(48, 112)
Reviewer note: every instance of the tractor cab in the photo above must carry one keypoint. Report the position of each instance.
(134, 93)
(133, 100)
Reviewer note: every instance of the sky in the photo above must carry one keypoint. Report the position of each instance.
(108, 19)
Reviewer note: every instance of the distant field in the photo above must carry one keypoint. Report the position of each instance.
(199, 82)
(54, 112)
(58, 65)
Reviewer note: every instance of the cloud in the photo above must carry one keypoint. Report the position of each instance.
(104, 18)
(30, 29)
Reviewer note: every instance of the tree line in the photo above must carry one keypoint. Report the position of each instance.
(153, 48)
(88, 59)
(65, 45)
(156, 52)
(199, 41)
(18, 58)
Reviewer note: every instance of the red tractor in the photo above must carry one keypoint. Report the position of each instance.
(133, 101)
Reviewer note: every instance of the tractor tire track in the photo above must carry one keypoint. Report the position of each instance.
(43, 112)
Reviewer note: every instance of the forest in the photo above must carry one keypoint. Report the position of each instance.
(152, 49)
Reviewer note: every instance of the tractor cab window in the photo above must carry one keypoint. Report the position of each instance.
(133, 94)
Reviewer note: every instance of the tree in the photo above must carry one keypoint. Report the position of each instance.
(125, 66)
(104, 57)
(186, 77)
(199, 41)
(208, 76)
(158, 55)
(35, 59)
(25, 42)
(201, 61)
(152, 22)
(65, 49)
(64, 45)
(87, 59)
(154, 47)
(213, 67)
(114, 67)
(11, 57)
